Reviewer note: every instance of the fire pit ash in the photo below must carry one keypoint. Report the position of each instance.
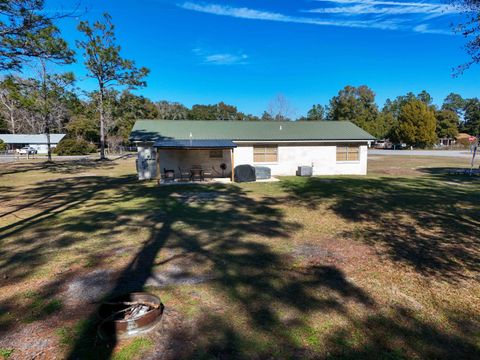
(129, 315)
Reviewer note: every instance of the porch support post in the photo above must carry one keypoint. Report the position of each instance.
(232, 160)
(158, 165)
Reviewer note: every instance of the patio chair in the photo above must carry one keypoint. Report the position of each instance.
(196, 173)
(207, 174)
(184, 174)
(168, 175)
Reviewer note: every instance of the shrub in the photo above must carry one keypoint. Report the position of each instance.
(3, 146)
(74, 147)
(463, 142)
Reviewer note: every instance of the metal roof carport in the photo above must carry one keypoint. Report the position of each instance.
(173, 144)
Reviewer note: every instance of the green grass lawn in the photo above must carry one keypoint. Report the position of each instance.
(381, 266)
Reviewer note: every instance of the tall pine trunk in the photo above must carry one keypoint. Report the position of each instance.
(49, 146)
(102, 125)
(46, 115)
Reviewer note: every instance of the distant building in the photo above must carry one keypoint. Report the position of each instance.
(462, 139)
(36, 141)
(446, 141)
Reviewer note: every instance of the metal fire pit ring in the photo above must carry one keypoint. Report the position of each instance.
(125, 328)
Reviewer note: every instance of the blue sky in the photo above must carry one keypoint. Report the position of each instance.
(247, 52)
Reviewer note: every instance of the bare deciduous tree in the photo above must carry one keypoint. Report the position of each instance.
(9, 102)
(279, 109)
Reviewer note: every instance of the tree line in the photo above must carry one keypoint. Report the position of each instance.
(30, 37)
(50, 100)
(410, 118)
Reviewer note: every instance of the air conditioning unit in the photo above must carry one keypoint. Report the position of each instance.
(305, 171)
(263, 172)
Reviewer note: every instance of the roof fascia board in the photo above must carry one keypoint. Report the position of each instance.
(301, 141)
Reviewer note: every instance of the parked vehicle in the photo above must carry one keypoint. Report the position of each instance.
(400, 146)
(27, 150)
(382, 144)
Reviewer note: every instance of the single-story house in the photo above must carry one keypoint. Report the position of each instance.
(36, 141)
(329, 147)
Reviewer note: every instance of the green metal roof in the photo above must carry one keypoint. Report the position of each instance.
(30, 138)
(151, 130)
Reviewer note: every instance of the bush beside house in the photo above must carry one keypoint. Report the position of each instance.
(75, 147)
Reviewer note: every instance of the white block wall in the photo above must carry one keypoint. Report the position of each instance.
(291, 155)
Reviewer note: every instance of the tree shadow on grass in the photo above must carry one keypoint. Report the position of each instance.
(31, 199)
(395, 333)
(58, 166)
(214, 228)
(29, 242)
(464, 174)
(425, 223)
(399, 333)
(211, 230)
(266, 286)
(217, 234)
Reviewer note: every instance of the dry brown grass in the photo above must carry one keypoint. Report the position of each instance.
(382, 266)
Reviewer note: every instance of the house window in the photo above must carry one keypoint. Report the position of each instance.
(266, 154)
(216, 154)
(348, 153)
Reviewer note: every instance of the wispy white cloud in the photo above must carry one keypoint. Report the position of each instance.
(247, 13)
(374, 14)
(226, 59)
(223, 58)
(361, 7)
(380, 2)
(425, 29)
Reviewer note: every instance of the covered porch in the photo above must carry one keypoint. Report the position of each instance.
(194, 161)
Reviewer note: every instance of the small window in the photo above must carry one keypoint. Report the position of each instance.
(216, 154)
(348, 153)
(265, 154)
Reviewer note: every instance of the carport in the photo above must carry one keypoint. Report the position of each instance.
(213, 157)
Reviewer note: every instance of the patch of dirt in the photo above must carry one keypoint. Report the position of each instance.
(313, 253)
(31, 341)
(176, 275)
(90, 287)
(404, 298)
(189, 197)
(331, 251)
(124, 250)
